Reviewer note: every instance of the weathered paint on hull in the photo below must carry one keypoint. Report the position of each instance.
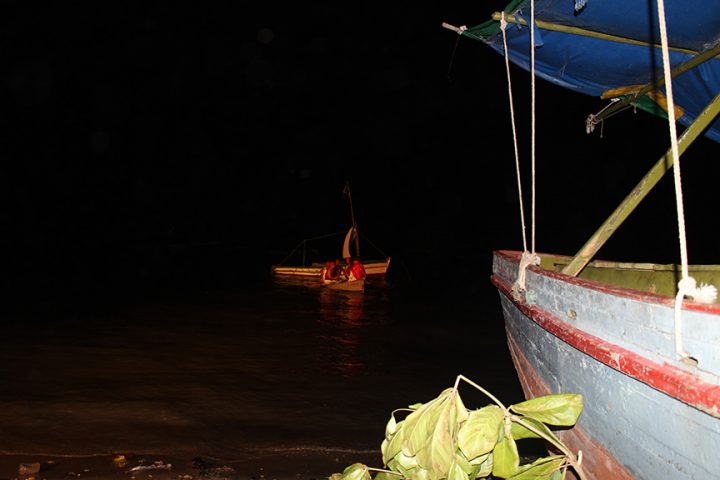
(596, 459)
(373, 269)
(354, 286)
(643, 417)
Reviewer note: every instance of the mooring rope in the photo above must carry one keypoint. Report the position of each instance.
(503, 26)
(532, 115)
(687, 285)
(527, 258)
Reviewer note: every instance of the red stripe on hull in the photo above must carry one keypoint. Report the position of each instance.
(665, 378)
(597, 461)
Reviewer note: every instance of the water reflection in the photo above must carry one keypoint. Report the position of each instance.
(338, 306)
(342, 321)
(344, 328)
(235, 373)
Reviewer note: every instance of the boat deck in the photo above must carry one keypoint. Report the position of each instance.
(661, 279)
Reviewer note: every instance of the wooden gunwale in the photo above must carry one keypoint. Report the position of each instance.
(712, 308)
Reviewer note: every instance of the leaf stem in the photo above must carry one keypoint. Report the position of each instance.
(402, 410)
(559, 445)
(385, 471)
(488, 394)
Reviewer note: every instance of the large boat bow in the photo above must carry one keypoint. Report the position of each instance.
(646, 360)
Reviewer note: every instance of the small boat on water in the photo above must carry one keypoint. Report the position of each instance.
(347, 285)
(640, 341)
(374, 268)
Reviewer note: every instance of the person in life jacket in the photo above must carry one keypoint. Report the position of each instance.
(327, 273)
(357, 271)
(345, 272)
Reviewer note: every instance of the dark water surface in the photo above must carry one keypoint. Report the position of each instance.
(283, 366)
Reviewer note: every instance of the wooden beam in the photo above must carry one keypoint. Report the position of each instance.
(556, 27)
(617, 106)
(677, 71)
(613, 222)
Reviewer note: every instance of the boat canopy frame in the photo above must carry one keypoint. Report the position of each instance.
(646, 184)
(620, 104)
(692, 52)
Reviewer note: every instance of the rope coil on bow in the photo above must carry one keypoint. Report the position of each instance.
(527, 259)
(687, 287)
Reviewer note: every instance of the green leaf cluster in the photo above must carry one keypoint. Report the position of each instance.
(443, 440)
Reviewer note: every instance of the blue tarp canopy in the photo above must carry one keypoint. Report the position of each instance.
(609, 47)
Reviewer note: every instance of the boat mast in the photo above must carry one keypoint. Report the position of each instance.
(346, 191)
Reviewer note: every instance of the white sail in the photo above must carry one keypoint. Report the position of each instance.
(346, 243)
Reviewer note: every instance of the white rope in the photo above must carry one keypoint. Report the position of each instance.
(673, 137)
(503, 26)
(687, 285)
(528, 258)
(704, 294)
(532, 87)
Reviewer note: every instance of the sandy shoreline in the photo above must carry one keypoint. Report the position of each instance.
(289, 465)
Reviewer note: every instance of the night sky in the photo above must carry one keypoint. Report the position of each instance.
(168, 146)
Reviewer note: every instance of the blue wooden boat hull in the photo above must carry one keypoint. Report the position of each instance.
(647, 414)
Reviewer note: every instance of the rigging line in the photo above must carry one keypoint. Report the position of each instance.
(527, 259)
(673, 136)
(452, 58)
(325, 236)
(503, 26)
(532, 87)
(687, 285)
(373, 245)
(291, 253)
(459, 31)
(592, 120)
(305, 241)
(617, 111)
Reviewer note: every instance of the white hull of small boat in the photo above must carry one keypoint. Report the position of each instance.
(373, 269)
(347, 286)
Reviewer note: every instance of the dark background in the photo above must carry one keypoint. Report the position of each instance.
(165, 147)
